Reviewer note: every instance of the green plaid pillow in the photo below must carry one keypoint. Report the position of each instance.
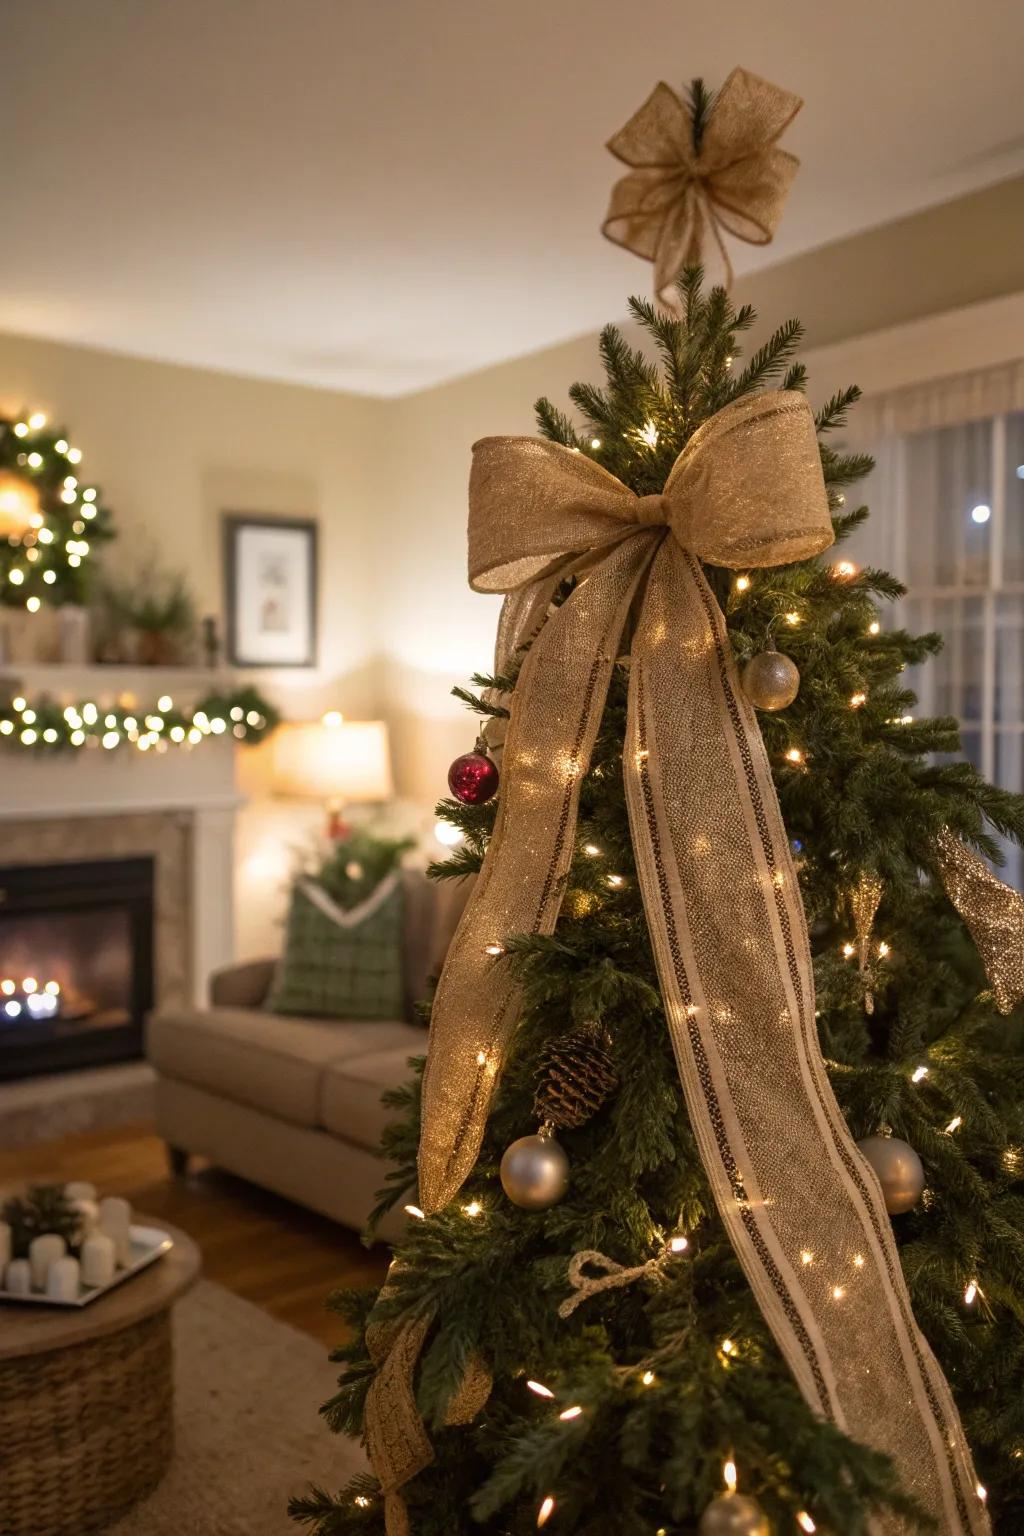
(338, 964)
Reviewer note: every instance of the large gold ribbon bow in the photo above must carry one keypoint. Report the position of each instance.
(677, 201)
(804, 1211)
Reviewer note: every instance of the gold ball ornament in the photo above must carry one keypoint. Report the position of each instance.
(899, 1169)
(733, 1514)
(535, 1171)
(771, 681)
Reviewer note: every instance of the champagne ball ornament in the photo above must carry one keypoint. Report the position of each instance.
(473, 777)
(899, 1169)
(733, 1514)
(535, 1171)
(771, 681)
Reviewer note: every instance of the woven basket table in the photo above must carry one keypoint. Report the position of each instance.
(86, 1401)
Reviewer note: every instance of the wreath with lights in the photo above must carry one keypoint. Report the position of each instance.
(51, 519)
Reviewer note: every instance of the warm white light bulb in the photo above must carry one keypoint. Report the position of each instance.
(447, 835)
(33, 604)
(918, 1074)
(545, 1512)
(805, 1523)
(414, 1210)
(570, 1414)
(981, 513)
(729, 1477)
(540, 1389)
(742, 583)
(37, 421)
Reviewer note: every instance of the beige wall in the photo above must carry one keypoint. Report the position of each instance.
(173, 447)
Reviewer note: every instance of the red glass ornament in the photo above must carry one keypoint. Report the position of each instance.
(473, 778)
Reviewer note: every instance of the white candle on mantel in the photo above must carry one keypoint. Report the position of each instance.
(62, 1279)
(5, 1246)
(18, 1277)
(115, 1221)
(99, 1260)
(42, 1252)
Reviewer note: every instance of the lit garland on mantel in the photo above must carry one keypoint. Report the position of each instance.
(50, 520)
(45, 725)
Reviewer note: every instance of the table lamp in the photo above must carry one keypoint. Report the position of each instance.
(339, 762)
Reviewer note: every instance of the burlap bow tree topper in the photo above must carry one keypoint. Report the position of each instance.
(687, 189)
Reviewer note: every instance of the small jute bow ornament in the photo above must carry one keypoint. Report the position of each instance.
(720, 895)
(695, 178)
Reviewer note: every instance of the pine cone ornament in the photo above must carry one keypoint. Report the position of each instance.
(577, 1075)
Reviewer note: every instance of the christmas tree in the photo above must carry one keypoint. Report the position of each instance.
(573, 1334)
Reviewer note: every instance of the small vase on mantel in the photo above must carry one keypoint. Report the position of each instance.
(75, 635)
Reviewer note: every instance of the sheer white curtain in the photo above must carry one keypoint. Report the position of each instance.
(947, 502)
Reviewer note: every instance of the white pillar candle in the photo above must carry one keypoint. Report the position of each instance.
(42, 1252)
(115, 1221)
(5, 1246)
(88, 1213)
(99, 1260)
(18, 1277)
(62, 1281)
(79, 1189)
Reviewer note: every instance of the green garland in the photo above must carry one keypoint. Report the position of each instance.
(46, 560)
(44, 725)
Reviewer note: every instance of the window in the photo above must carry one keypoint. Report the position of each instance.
(947, 509)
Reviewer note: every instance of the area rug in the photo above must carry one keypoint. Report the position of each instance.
(248, 1434)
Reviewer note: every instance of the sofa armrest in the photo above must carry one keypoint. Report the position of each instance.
(242, 986)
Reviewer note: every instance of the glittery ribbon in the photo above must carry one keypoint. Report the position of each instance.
(994, 915)
(677, 201)
(719, 890)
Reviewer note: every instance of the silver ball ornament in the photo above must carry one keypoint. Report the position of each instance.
(732, 1514)
(770, 680)
(535, 1172)
(899, 1169)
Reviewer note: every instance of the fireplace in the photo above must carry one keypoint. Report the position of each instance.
(76, 963)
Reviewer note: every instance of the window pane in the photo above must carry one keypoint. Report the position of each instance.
(948, 502)
(1013, 537)
(950, 683)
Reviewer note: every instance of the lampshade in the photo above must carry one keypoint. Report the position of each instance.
(345, 761)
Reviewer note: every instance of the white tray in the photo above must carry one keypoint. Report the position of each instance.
(148, 1245)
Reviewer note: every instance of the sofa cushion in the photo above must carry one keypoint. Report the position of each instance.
(350, 1106)
(270, 1061)
(341, 964)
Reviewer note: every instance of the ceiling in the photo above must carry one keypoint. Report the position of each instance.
(376, 195)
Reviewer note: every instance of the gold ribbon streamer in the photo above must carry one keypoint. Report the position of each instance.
(676, 202)
(994, 915)
(865, 898)
(396, 1439)
(719, 889)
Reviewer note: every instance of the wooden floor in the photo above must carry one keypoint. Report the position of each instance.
(279, 1256)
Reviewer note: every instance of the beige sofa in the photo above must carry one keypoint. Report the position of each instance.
(294, 1103)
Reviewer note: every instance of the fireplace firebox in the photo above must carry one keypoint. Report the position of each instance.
(76, 964)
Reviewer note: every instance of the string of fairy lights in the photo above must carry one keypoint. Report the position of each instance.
(46, 725)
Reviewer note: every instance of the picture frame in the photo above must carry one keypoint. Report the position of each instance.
(271, 586)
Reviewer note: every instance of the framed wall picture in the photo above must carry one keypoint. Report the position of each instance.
(270, 566)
